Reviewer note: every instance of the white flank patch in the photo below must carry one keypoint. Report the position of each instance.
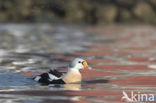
(52, 77)
(37, 78)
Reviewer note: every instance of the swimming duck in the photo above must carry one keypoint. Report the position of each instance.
(73, 74)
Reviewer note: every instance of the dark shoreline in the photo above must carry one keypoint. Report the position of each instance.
(78, 11)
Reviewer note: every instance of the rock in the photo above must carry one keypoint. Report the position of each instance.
(144, 12)
(74, 12)
(126, 2)
(153, 2)
(125, 15)
(3, 17)
(107, 13)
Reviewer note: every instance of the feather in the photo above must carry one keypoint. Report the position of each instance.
(55, 73)
(52, 77)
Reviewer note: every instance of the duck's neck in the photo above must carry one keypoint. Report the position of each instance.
(72, 76)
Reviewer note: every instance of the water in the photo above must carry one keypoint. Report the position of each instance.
(122, 59)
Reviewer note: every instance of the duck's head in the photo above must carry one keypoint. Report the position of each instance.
(78, 63)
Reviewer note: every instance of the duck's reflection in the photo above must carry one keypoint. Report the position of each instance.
(76, 86)
(72, 86)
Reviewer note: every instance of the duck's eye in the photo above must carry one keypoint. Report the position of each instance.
(79, 61)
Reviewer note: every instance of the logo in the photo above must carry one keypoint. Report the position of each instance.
(137, 97)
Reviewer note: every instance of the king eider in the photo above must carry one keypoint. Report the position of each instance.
(72, 76)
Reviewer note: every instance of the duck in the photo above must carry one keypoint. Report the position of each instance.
(73, 74)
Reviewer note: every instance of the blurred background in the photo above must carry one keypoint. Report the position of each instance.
(116, 37)
(78, 11)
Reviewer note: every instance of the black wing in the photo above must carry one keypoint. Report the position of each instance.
(52, 77)
(56, 73)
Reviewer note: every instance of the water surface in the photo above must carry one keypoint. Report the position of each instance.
(122, 59)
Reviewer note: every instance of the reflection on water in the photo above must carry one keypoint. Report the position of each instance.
(24, 52)
(72, 86)
(41, 38)
(14, 79)
(30, 49)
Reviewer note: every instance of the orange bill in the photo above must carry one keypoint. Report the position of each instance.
(85, 64)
